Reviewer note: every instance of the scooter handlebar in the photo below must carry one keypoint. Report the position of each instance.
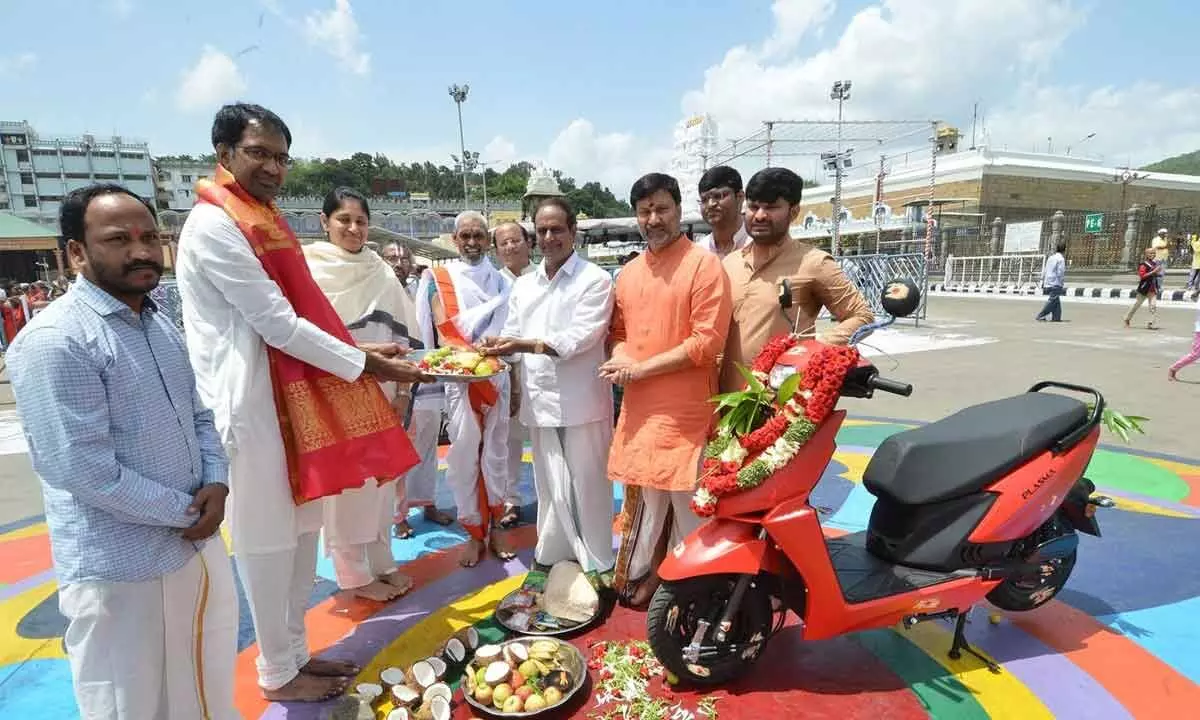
(890, 386)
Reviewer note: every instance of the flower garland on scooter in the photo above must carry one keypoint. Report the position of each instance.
(735, 461)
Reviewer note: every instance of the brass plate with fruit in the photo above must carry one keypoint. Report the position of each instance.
(460, 365)
(523, 677)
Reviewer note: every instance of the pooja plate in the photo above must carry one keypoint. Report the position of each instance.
(574, 663)
(508, 619)
(416, 356)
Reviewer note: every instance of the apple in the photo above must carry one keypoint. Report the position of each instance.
(553, 696)
(535, 702)
(480, 674)
(483, 694)
(513, 704)
(528, 670)
(523, 692)
(517, 679)
(501, 693)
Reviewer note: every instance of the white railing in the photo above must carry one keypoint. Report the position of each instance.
(1019, 270)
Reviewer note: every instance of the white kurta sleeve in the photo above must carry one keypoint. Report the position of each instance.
(226, 259)
(424, 303)
(590, 319)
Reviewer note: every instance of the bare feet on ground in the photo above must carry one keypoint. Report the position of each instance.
(433, 515)
(309, 688)
(330, 668)
(644, 592)
(472, 553)
(398, 580)
(376, 590)
(402, 530)
(501, 548)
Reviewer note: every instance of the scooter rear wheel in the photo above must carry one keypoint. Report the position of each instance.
(1021, 594)
(673, 617)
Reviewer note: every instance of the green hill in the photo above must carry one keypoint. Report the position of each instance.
(1186, 164)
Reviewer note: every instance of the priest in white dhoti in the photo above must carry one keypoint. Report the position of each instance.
(458, 304)
(375, 307)
(513, 247)
(297, 401)
(558, 319)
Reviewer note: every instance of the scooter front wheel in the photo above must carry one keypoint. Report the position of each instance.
(676, 614)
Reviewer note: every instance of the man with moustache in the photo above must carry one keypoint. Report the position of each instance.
(297, 403)
(133, 500)
(400, 259)
(721, 199)
(558, 319)
(669, 323)
(757, 270)
(459, 304)
(513, 247)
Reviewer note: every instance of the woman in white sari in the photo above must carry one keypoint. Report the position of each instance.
(371, 301)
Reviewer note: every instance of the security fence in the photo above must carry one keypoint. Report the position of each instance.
(166, 296)
(1015, 270)
(872, 273)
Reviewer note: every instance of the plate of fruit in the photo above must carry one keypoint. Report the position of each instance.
(523, 677)
(450, 364)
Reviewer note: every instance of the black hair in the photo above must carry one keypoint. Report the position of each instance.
(1061, 246)
(524, 233)
(629, 258)
(334, 199)
(231, 121)
(774, 183)
(75, 204)
(721, 176)
(562, 204)
(651, 183)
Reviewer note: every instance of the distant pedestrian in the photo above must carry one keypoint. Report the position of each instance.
(1149, 273)
(1191, 356)
(1162, 254)
(1193, 282)
(1053, 283)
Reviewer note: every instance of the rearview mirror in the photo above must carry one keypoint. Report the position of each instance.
(901, 297)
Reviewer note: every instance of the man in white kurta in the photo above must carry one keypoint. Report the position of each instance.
(469, 301)
(232, 312)
(558, 319)
(513, 247)
(376, 309)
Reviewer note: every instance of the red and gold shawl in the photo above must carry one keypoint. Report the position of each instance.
(336, 434)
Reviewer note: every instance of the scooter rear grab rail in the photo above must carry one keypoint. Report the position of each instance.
(1094, 420)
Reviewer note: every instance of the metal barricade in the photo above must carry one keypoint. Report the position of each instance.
(1020, 270)
(871, 273)
(166, 296)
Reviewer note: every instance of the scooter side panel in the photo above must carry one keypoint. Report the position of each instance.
(1029, 495)
(720, 547)
(794, 480)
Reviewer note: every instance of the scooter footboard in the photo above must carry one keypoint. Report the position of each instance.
(718, 547)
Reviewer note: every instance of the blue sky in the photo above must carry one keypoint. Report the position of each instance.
(595, 88)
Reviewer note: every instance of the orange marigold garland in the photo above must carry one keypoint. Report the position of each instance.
(734, 463)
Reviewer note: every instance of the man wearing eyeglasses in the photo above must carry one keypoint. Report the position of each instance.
(721, 199)
(297, 404)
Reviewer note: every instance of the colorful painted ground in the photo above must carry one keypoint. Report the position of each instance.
(1119, 642)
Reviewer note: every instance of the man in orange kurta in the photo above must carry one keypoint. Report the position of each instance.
(669, 325)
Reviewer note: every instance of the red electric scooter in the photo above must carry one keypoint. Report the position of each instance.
(985, 503)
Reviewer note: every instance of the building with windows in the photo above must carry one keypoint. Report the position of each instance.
(37, 171)
(176, 178)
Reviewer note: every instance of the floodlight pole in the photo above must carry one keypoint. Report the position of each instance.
(841, 93)
(459, 94)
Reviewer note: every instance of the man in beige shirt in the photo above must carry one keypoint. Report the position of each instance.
(756, 271)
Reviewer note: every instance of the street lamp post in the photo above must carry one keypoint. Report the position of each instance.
(459, 93)
(841, 93)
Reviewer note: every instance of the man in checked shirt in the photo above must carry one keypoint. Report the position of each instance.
(133, 474)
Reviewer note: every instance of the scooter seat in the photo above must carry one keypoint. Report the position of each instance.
(969, 450)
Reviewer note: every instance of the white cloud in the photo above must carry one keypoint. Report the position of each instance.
(121, 8)
(214, 79)
(22, 61)
(499, 150)
(917, 60)
(336, 31)
(613, 159)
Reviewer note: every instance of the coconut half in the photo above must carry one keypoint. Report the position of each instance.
(422, 674)
(398, 714)
(469, 637)
(439, 667)
(439, 708)
(368, 691)
(392, 676)
(488, 654)
(496, 673)
(516, 653)
(404, 696)
(437, 690)
(455, 651)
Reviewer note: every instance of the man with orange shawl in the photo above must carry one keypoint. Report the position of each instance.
(668, 327)
(297, 403)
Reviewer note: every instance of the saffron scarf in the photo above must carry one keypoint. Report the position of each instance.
(336, 434)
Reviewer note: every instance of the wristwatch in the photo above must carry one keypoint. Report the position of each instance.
(539, 347)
